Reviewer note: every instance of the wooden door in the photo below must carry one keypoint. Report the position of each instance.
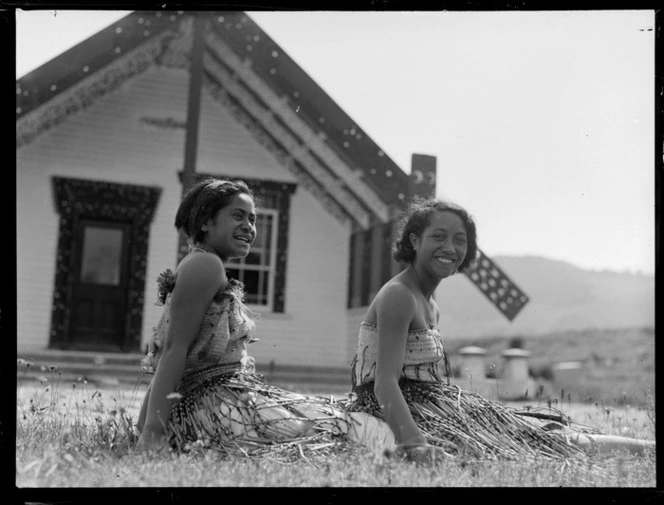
(99, 287)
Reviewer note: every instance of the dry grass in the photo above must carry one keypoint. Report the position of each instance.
(76, 436)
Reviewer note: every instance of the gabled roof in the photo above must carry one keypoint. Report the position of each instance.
(254, 75)
(87, 57)
(274, 66)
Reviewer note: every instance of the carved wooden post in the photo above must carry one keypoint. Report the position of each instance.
(193, 113)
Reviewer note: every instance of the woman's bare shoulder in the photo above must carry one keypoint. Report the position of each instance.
(395, 295)
(395, 289)
(198, 261)
(201, 268)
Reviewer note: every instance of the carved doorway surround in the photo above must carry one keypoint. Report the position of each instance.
(100, 264)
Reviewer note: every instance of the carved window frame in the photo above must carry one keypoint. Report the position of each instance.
(270, 195)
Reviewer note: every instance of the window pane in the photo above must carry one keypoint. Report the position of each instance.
(254, 271)
(102, 253)
(260, 250)
(255, 284)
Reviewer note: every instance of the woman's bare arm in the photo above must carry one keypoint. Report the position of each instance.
(395, 309)
(144, 410)
(197, 282)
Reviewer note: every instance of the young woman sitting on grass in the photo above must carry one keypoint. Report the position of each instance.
(205, 390)
(395, 372)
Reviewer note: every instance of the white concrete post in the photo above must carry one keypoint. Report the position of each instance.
(472, 363)
(473, 374)
(515, 380)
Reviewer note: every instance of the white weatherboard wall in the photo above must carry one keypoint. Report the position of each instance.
(36, 230)
(311, 331)
(103, 142)
(226, 148)
(108, 142)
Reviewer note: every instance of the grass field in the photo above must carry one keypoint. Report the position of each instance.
(75, 435)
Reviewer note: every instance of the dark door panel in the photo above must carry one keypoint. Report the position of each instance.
(98, 296)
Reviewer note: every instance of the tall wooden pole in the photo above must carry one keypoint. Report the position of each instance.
(193, 112)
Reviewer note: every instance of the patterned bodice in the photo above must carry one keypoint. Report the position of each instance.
(424, 349)
(226, 329)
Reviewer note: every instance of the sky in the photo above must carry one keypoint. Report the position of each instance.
(542, 123)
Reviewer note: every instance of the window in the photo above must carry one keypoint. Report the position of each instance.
(263, 272)
(102, 254)
(371, 263)
(257, 270)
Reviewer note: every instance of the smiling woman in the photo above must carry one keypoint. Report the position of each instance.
(205, 390)
(395, 372)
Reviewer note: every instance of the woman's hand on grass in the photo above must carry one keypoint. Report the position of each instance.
(422, 453)
(152, 440)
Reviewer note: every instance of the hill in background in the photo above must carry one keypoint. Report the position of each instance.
(562, 297)
(616, 366)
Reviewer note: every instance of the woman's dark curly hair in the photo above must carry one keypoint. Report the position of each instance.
(417, 217)
(202, 202)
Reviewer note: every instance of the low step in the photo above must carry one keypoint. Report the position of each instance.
(132, 374)
(116, 368)
(55, 357)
